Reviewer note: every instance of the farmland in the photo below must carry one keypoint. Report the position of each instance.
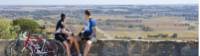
(118, 21)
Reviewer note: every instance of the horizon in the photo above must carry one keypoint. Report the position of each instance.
(98, 2)
(108, 5)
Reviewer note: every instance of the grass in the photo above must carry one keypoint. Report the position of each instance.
(135, 34)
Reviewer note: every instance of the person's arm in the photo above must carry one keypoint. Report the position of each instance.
(94, 29)
(65, 31)
(82, 29)
(94, 26)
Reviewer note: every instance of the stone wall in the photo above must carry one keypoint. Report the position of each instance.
(144, 48)
(138, 48)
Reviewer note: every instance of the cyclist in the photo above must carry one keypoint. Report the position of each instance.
(66, 36)
(88, 30)
(63, 35)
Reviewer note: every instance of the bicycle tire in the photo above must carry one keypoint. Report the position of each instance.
(12, 47)
(60, 46)
(7, 50)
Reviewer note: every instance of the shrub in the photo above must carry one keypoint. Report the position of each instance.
(147, 29)
(6, 31)
(26, 24)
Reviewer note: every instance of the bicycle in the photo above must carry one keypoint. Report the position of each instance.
(37, 46)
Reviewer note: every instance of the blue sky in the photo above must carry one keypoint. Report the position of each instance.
(94, 2)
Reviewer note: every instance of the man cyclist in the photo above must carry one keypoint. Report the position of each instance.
(89, 29)
(61, 34)
(65, 36)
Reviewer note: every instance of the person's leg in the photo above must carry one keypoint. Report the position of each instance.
(75, 42)
(67, 42)
(67, 48)
(70, 40)
(63, 38)
(88, 45)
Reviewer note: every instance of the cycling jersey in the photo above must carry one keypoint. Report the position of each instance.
(59, 35)
(89, 24)
(59, 24)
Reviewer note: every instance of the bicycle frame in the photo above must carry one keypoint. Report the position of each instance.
(28, 43)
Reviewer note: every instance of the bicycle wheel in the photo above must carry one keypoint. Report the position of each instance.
(17, 49)
(50, 50)
(59, 48)
(12, 49)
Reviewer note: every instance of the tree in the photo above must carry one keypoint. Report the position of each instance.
(26, 24)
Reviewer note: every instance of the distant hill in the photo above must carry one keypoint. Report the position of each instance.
(190, 12)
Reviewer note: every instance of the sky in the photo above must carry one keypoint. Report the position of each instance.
(95, 2)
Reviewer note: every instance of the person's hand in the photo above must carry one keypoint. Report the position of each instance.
(70, 37)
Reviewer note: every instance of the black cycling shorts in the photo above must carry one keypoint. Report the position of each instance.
(61, 37)
(85, 35)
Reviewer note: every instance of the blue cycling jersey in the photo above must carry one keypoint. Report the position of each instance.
(89, 24)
